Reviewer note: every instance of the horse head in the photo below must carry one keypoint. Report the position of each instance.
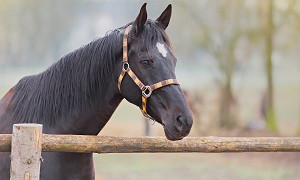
(148, 74)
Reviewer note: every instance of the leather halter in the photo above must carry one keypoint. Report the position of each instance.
(146, 89)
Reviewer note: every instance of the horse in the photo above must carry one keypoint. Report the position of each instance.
(79, 93)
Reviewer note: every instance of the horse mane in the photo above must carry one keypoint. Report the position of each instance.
(76, 81)
(69, 85)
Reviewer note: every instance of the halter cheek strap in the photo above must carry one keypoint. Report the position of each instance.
(146, 89)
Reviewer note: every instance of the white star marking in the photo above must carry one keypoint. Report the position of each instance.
(162, 50)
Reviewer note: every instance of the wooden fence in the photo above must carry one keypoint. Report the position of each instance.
(28, 141)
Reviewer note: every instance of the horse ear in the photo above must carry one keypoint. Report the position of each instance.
(165, 17)
(141, 19)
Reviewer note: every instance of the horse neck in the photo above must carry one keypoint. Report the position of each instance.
(68, 99)
(94, 118)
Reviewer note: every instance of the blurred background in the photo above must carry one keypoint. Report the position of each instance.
(238, 62)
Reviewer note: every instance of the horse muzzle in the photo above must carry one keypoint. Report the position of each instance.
(180, 127)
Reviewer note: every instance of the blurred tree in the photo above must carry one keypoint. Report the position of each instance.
(31, 31)
(295, 18)
(220, 35)
(287, 21)
(298, 130)
(268, 32)
(223, 25)
(35, 32)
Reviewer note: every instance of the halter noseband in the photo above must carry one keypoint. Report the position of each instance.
(146, 89)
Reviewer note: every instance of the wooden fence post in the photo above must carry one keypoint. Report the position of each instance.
(26, 152)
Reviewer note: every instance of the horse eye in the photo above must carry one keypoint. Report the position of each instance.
(146, 63)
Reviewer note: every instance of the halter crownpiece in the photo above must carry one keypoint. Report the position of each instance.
(146, 89)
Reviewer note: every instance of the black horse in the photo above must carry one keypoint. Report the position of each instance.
(79, 93)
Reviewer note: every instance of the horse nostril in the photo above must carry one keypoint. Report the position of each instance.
(183, 124)
(190, 121)
(179, 123)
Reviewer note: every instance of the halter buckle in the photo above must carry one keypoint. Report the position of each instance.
(126, 66)
(146, 91)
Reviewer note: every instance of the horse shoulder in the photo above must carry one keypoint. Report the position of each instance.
(4, 102)
(5, 121)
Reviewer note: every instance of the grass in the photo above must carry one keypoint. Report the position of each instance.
(195, 166)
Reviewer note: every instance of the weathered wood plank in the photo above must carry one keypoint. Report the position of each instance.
(5, 142)
(108, 144)
(26, 152)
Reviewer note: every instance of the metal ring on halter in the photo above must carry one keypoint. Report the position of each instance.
(147, 91)
(151, 119)
(126, 66)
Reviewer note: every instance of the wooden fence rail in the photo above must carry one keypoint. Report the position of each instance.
(108, 144)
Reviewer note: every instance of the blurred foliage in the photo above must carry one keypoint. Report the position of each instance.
(234, 32)
(33, 31)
